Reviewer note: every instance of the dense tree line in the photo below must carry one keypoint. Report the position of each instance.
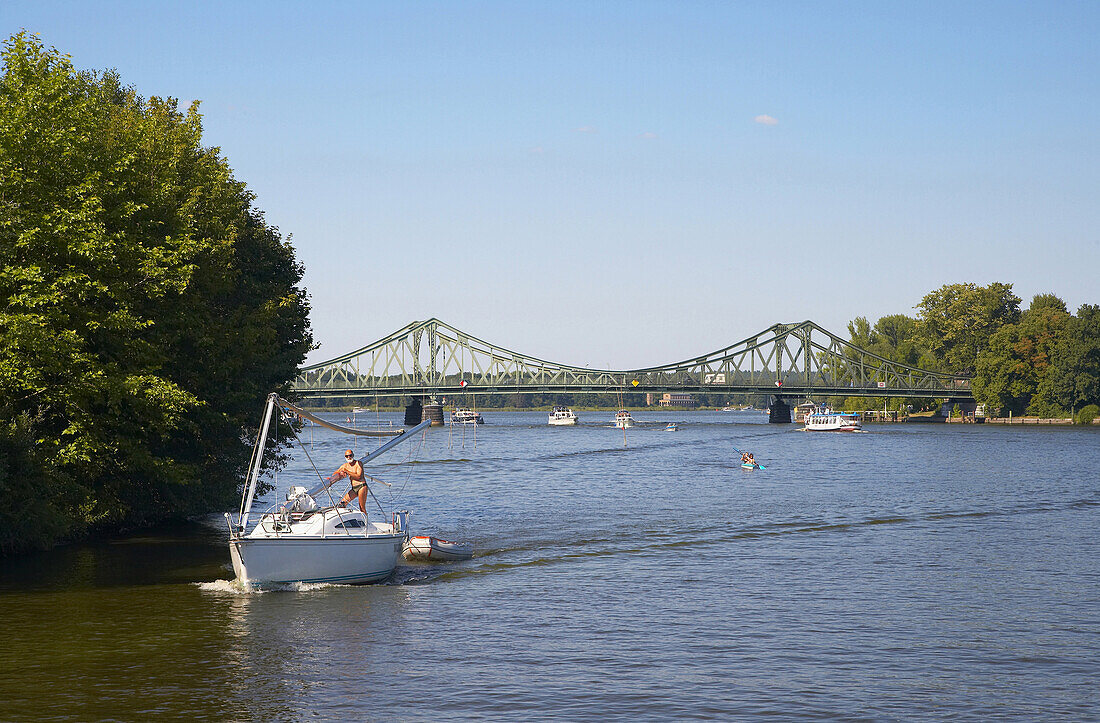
(146, 308)
(1043, 360)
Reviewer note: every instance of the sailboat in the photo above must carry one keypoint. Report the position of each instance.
(299, 541)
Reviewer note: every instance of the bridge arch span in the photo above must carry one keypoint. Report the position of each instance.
(799, 359)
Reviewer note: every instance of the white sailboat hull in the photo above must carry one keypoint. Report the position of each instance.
(349, 560)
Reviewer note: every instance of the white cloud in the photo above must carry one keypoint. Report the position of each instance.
(766, 120)
(585, 129)
(647, 134)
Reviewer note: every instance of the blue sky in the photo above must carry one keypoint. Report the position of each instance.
(628, 184)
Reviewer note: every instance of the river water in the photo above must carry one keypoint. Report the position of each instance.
(912, 571)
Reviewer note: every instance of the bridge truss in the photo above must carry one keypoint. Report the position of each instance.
(794, 360)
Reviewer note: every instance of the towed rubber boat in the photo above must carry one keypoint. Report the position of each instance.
(426, 547)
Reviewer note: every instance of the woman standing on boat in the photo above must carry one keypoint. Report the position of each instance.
(353, 470)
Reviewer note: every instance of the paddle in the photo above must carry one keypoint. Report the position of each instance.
(758, 465)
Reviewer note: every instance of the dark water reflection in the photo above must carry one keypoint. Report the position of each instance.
(911, 572)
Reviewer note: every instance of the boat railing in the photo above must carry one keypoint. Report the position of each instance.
(277, 520)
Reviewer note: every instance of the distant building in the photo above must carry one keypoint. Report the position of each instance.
(676, 399)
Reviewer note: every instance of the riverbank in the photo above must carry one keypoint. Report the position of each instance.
(880, 417)
(1034, 420)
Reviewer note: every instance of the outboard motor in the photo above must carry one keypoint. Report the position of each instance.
(299, 501)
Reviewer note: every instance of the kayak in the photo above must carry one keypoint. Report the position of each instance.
(746, 465)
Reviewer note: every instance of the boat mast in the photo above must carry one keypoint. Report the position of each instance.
(257, 459)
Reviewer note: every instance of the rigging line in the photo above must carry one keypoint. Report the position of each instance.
(408, 472)
(377, 503)
(375, 479)
(413, 451)
(324, 480)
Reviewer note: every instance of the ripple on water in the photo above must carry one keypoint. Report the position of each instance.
(923, 572)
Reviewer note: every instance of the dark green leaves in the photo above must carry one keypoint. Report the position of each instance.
(146, 309)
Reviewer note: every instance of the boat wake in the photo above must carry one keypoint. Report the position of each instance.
(548, 553)
(235, 587)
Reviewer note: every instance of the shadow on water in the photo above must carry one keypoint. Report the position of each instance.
(171, 555)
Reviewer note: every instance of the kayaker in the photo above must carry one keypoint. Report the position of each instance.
(353, 470)
(750, 460)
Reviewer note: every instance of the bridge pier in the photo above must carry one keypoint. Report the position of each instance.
(780, 412)
(414, 412)
(417, 411)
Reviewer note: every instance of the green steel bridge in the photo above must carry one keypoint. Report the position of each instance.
(803, 360)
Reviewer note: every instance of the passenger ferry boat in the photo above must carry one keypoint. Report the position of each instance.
(623, 419)
(562, 416)
(465, 415)
(826, 420)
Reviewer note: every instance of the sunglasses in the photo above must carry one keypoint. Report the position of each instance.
(348, 456)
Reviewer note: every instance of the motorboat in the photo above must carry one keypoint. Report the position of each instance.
(623, 419)
(433, 549)
(465, 415)
(824, 419)
(299, 541)
(562, 416)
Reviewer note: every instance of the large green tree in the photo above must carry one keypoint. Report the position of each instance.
(146, 308)
(1073, 378)
(958, 320)
(1018, 359)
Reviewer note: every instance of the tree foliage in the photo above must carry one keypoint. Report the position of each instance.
(957, 321)
(147, 308)
(1043, 361)
(1018, 358)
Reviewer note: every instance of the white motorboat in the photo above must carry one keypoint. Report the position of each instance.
(296, 541)
(561, 416)
(465, 415)
(827, 420)
(623, 419)
(425, 547)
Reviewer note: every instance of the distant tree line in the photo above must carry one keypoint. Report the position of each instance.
(1043, 360)
(146, 308)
